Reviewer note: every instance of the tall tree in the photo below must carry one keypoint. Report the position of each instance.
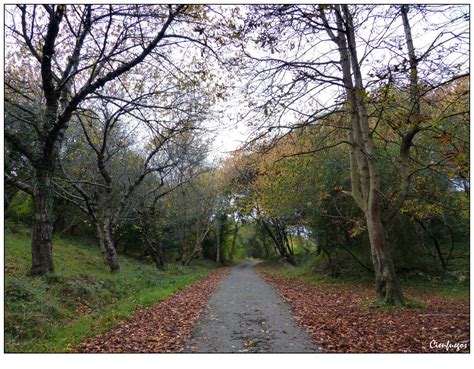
(316, 62)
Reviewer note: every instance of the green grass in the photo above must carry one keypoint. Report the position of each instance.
(447, 288)
(56, 312)
(305, 271)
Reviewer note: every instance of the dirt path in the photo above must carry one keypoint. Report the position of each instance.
(245, 314)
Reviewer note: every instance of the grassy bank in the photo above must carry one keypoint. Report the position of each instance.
(55, 312)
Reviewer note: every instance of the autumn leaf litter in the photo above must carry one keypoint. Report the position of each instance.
(339, 319)
(163, 327)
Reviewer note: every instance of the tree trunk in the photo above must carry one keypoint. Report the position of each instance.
(290, 259)
(265, 247)
(101, 237)
(42, 228)
(157, 256)
(387, 285)
(197, 248)
(110, 250)
(107, 247)
(182, 236)
(155, 249)
(365, 181)
(159, 262)
(234, 239)
(161, 257)
(278, 234)
(181, 252)
(444, 265)
(218, 241)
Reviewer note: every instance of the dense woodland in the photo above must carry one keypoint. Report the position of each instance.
(357, 161)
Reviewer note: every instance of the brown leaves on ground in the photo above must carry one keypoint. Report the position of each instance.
(338, 321)
(163, 327)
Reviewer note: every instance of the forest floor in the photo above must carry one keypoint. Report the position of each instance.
(342, 317)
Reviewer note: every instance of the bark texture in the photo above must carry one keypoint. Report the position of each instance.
(42, 228)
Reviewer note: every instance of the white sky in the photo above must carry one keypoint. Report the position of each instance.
(227, 136)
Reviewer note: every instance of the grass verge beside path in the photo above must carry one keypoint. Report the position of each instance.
(82, 299)
(163, 327)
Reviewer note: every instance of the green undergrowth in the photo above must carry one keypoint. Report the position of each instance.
(247, 259)
(448, 286)
(445, 287)
(305, 271)
(57, 311)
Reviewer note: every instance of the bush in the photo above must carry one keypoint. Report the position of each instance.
(20, 208)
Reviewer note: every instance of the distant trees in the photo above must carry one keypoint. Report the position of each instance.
(164, 122)
(163, 218)
(194, 210)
